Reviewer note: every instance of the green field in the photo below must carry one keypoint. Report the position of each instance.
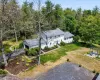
(58, 53)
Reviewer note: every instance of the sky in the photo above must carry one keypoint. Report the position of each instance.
(74, 4)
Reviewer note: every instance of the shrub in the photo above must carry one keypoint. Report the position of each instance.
(17, 63)
(2, 65)
(13, 40)
(56, 46)
(46, 48)
(21, 45)
(76, 38)
(26, 51)
(7, 50)
(62, 44)
(94, 71)
(26, 59)
(27, 64)
(80, 65)
(32, 52)
(37, 49)
(3, 72)
(68, 60)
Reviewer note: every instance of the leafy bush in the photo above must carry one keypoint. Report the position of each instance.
(84, 44)
(26, 59)
(27, 64)
(68, 60)
(3, 72)
(21, 45)
(94, 71)
(6, 48)
(80, 65)
(46, 48)
(17, 63)
(76, 38)
(32, 52)
(2, 65)
(62, 44)
(37, 49)
(13, 40)
(26, 51)
(55, 46)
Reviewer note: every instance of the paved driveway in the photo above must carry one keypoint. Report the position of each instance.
(66, 71)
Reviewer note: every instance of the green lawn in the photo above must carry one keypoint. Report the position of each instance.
(58, 53)
(8, 44)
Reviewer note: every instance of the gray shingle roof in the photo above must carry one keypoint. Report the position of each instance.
(68, 35)
(52, 33)
(33, 42)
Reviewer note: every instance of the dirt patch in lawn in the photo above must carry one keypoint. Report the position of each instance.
(17, 65)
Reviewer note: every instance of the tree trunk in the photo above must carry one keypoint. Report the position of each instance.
(2, 49)
(25, 35)
(39, 34)
(15, 34)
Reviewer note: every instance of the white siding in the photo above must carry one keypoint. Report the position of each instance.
(55, 40)
(42, 46)
(68, 40)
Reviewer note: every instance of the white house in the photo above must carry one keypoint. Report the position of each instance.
(49, 39)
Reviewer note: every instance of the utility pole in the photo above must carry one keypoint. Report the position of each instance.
(39, 6)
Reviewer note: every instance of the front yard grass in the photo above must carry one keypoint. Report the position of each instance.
(58, 53)
(80, 58)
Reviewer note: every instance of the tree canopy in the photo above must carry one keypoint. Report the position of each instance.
(22, 22)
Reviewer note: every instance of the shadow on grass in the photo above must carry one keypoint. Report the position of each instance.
(83, 44)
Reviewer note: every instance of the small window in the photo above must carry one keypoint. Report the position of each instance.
(46, 43)
(46, 37)
(50, 43)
